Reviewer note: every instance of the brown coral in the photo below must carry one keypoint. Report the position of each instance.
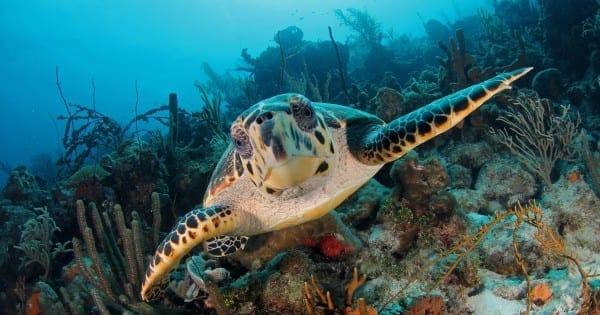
(418, 180)
(428, 305)
(387, 103)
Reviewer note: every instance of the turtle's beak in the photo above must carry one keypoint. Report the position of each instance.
(293, 172)
(284, 155)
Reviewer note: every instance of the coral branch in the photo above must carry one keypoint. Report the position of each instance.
(340, 66)
(36, 242)
(536, 137)
(118, 291)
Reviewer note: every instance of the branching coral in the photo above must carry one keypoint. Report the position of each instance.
(118, 286)
(118, 259)
(457, 68)
(106, 268)
(439, 268)
(362, 23)
(536, 137)
(325, 304)
(86, 130)
(36, 242)
(552, 243)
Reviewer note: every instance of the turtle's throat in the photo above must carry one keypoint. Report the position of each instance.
(293, 172)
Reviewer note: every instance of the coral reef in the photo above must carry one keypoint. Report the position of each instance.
(135, 162)
(503, 183)
(449, 230)
(427, 305)
(560, 21)
(262, 248)
(298, 66)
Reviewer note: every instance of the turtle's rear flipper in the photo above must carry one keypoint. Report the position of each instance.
(225, 245)
(196, 227)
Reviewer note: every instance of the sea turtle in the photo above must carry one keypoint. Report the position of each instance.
(292, 160)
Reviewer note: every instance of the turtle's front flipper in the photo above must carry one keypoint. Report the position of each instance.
(193, 229)
(390, 142)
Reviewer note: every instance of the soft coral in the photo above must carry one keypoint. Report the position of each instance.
(330, 245)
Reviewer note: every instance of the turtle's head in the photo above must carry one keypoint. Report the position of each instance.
(281, 142)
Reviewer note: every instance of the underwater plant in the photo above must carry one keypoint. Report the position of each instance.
(211, 113)
(537, 137)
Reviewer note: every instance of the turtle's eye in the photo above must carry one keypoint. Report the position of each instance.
(241, 141)
(307, 112)
(303, 113)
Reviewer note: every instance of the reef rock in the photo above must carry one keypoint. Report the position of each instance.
(573, 209)
(23, 188)
(417, 180)
(364, 203)
(137, 163)
(469, 155)
(503, 182)
(548, 84)
(387, 103)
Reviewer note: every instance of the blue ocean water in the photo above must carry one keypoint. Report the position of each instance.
(160, 45)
